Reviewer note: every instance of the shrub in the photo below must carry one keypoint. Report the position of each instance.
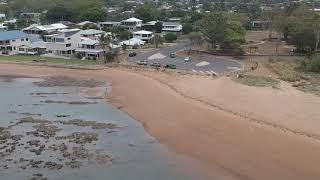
(314, 65)
(170, 37)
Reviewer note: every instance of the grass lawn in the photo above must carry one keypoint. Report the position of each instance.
(35, 58)
(257, 81)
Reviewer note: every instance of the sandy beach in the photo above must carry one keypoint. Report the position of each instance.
(234, 131)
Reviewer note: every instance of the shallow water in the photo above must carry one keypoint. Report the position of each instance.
(134, 155)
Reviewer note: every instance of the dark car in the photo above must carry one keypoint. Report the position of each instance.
(156, 64)
(171, 66)
(132, 54)
(172, 55)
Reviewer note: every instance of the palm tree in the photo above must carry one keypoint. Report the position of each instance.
(156, 40)
(105, 41)
(109, 57)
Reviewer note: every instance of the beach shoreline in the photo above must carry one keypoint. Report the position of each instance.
(229, 146)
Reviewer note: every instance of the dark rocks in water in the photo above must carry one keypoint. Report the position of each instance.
(83, 137)
(73, 164)
(67, 102)
(52, 165)
(79, 153)
(62, 116)
(68, 81)
(31, 114)
(13, 112)
(45, 130)
(34, 142)
(92, 124)
(30, 119)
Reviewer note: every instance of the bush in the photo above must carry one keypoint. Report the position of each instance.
(170, 37)
(314, 65)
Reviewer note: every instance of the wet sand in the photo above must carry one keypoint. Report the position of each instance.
(227, 145)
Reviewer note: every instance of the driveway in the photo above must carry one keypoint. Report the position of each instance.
(204, 63)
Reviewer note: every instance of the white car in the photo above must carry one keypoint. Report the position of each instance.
(187, 59)
(142, 62)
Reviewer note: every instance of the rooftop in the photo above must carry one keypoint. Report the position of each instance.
(142, 32)
(91, 31)
(133, 19)
(9, 35)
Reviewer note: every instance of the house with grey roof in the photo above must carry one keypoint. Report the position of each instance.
(10, 41)
(63, 42)
(90, 49)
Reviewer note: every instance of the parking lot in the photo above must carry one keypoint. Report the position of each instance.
(203, 63)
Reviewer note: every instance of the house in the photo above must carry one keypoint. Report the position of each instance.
(2, 16)
(171, 27)
(142, 35)
(132, 24)
(3, 27)
(149, 26)
(31, 17)
(63, 43)
(133, 42)
(90, 49)
(91, 34)
(40, 29)
(37, 47)
(108, 24)
(10, 41)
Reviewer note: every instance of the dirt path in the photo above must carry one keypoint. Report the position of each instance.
(230, 146)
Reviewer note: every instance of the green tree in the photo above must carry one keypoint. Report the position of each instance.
(187, 28)
(219, 29)
(170, 37)
(158, 27)
(146, 13)
(156, 40)
(94, 15)
(105, 41)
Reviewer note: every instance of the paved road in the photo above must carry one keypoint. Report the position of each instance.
(203, 63)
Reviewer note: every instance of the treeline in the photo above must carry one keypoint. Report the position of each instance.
(57, 10)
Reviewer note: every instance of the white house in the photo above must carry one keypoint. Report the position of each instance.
(142, 35)
(172, 27)
(10, 41)
(39, 29)
(91, 34)
(90, 49)
(133, 42)
(37, 47)
(108, 24)
(132, 24)
(63, 43)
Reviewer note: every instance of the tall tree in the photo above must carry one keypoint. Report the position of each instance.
(105, 41)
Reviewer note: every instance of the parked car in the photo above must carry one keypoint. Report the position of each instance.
(132, 54)
(172, 55)
(143, 62)
(171, 66)
(156, 64)
(187, 59)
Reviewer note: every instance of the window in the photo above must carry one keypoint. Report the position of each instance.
(7, 42)
(59, 40)
(13, 40)
(14, 48)
(68, 45)
(22, 39)
(69, 38)
(27, 39)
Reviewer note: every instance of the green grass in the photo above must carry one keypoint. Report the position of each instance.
(257, 81)
(33, 59)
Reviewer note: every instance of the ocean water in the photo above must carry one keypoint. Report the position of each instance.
(134, 155)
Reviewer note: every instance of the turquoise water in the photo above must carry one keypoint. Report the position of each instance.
(135, 154)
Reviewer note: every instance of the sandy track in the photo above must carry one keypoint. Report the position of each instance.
(230, 146)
